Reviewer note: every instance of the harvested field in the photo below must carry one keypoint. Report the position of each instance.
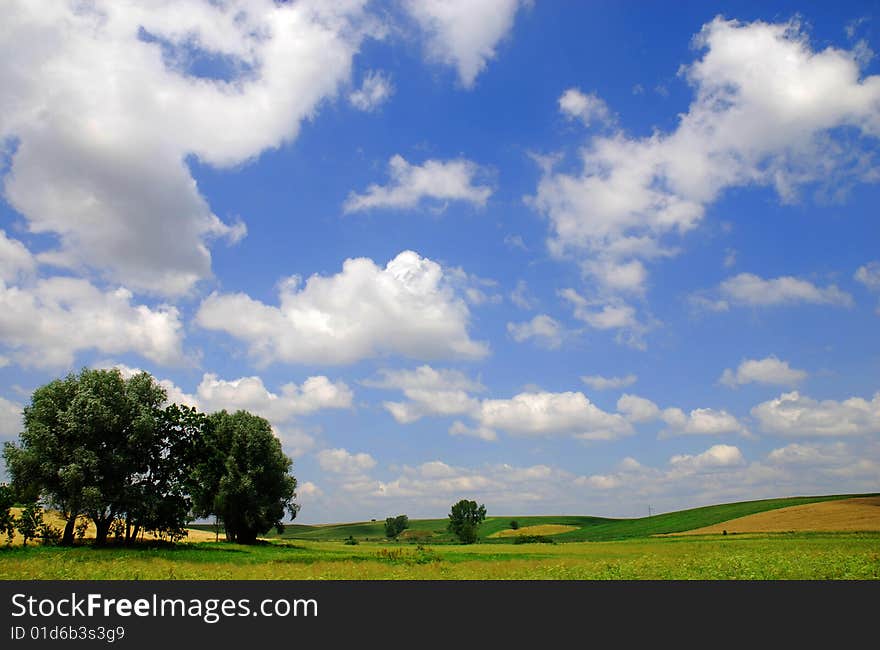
(542, 529)
(53, 518)
(858, 514)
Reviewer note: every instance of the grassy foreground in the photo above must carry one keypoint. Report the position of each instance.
(782, 556)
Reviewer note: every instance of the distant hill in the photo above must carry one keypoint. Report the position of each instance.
(588, 529)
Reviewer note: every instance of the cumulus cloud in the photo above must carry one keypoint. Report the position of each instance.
(543, 328)
(10, 419)
(459, 428)
(437, 180)
(637, 409)
(249, 393)
(598, 382)
(869, 275)
(46, 324)
(463, 33)
(521, 297)
(15, 259)
(797, 454)
(103, 104)
(793, 414)
(430, 392)
(375, 90)
(546, 414)
(589, 109)
(769, 370)
(751, 122)
(539, 413)
(608, 314)
(747, 289)
(341, 461)
(407, 308)
(699, 421)
(714, 457)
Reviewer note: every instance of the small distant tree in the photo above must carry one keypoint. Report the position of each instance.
(464, 518)
(396, 525)
(7, 520)
(514, 524)
(29, 522)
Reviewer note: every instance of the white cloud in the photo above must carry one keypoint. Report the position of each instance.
(610, 314)
(249, 393)
(701, 421)
(542, 327)
(714, 457)
(103, 107)
(768, 370)
(341, 461)
(797, 454)
(424, 378)
(448, 392)
(459, 428)
(869, 275)
(545, 414)
(407, 308)
(515, 241)
(308, 490)
(430, 392)
(598, 382)
(766, 111)
(375, 90)
(587, 108)
(438, 180)
(47, 324)
(11, 423)
(754, 291)
(521, 297)
(15, 259)
(793, 414)
(637, 409)
(463, 33)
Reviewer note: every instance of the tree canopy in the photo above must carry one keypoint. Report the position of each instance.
(464, 518)
(243, 476)
(111, 448)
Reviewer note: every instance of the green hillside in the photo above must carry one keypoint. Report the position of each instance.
(590, 529)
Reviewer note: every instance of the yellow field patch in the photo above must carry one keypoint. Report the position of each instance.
(542, 529)
(54, 518)
(859, 514)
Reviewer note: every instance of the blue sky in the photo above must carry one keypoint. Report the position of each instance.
(556, 257)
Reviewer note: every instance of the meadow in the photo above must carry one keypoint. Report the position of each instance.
(557, 547)
(806, 556)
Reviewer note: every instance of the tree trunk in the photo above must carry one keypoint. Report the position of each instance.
(102, 527)
(67, 537)
(127, 529)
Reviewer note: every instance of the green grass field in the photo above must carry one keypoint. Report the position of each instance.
(789, 556)
(598, 549)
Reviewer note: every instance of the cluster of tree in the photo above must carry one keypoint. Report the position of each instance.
(396, 525)
(111, 448)
(464, 519)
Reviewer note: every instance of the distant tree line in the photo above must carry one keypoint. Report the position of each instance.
(100, 446)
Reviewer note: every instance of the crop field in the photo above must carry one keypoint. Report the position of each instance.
(642, 549)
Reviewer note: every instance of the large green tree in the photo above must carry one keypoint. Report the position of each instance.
(242, 476)
(88, 441)
(464, 518)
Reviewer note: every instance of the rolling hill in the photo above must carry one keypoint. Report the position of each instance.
(586, 528)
